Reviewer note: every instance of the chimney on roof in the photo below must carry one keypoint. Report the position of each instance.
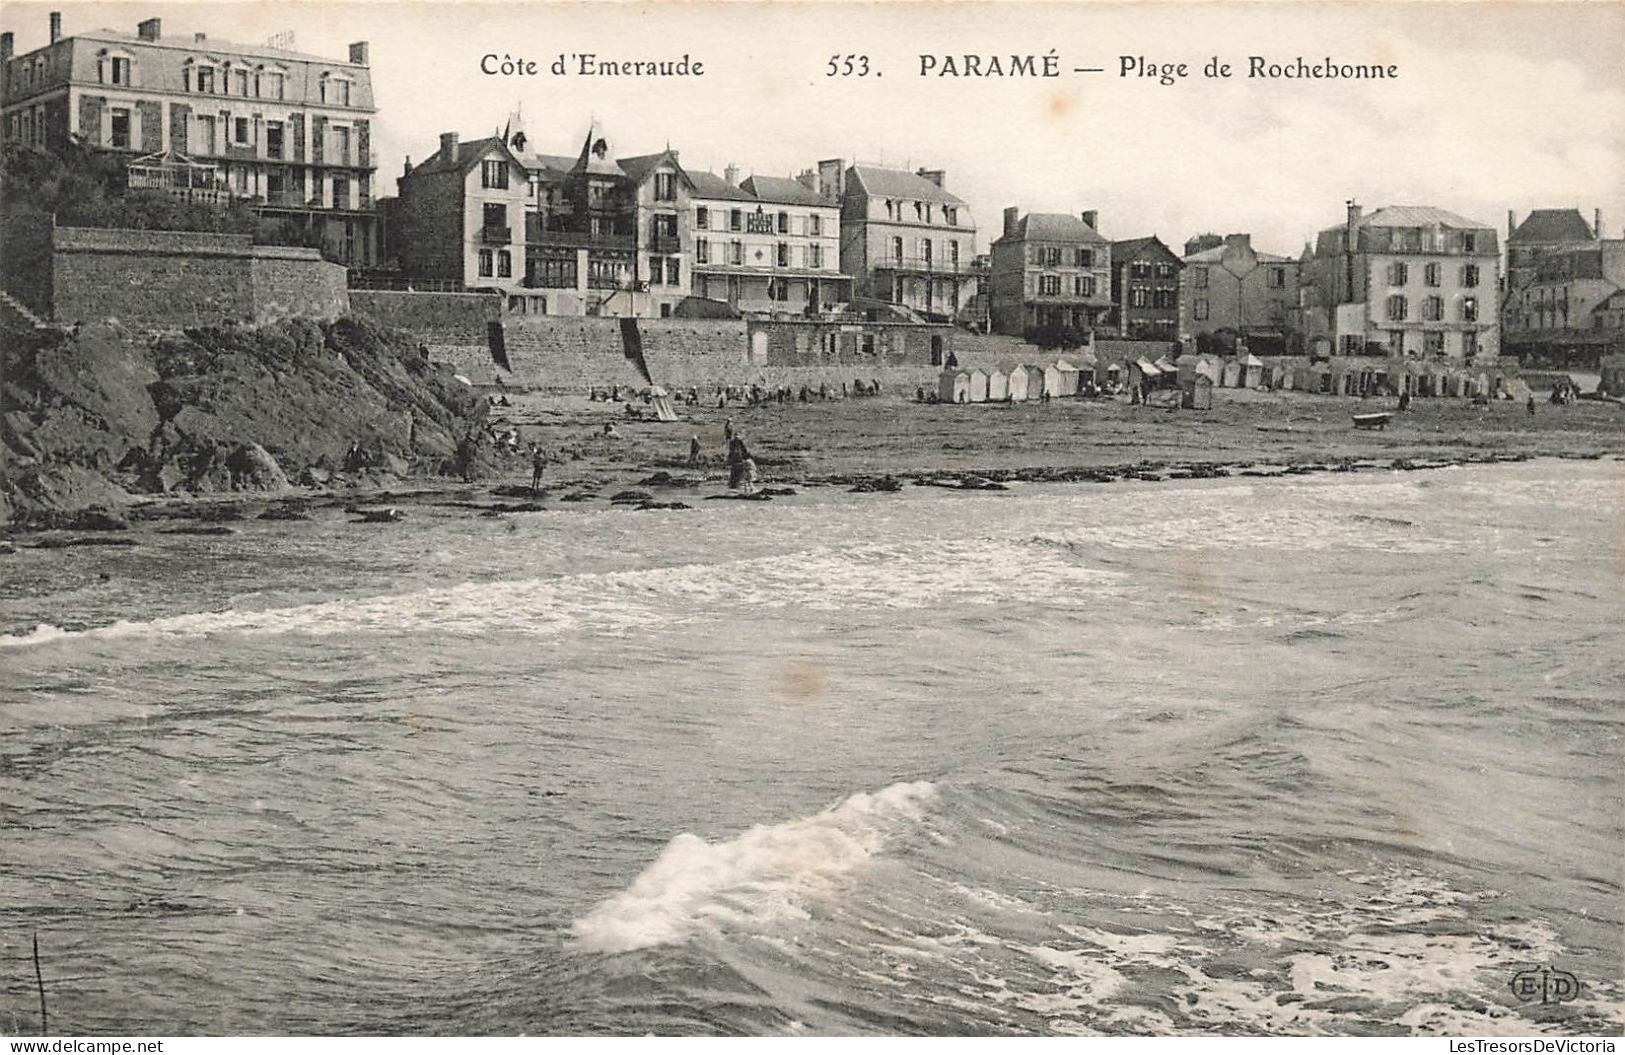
(731, 174)
(448, 146)
(1241, 241)
(1012, 216)
(832, 179)
(936, 176)
(1354, 214)
(1596, 224)
(6, 45)
(151, 29)
(1090, 216)
(56, 26)
(407, 171)
(358, 53)
(1512, 223)
(198, 38)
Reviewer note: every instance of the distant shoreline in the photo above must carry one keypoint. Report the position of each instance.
(881, 444)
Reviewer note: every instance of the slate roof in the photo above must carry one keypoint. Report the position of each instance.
(896, 183)
(1054, 227)
(467, 154)
(214, 45)
(710, 185)
(1418, 216)
(638, 168)
(1130, 248)
(782, 191)
(1553, 225)
(1216, 255)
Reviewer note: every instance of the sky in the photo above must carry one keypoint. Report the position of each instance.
(1497, 106)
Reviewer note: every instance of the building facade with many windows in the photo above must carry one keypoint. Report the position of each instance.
(1050, 271)
(211, 120)
(905, 239)
(1145, 289)
(462, 216)
(1235, 288)
(1408, 281)
(770, 245)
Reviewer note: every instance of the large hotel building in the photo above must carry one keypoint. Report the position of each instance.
(287, 133)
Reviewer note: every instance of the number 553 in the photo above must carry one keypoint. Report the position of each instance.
(848, 66)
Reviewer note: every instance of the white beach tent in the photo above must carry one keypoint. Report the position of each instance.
(1035, 381)
(1020, 380)
(978, 385)
(998, 384)
(1060, 379)
(954, 386)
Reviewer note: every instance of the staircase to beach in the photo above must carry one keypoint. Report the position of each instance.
(15, 315)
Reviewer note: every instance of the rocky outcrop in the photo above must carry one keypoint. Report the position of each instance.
(92, 418)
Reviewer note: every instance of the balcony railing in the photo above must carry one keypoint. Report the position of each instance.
(925, 265)
(493, 235)
(665, 243)
(585, 240)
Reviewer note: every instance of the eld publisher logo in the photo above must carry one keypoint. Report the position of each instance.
(1546, 984)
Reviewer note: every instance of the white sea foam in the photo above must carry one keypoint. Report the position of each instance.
(768, 873)
(851, 578)
(1327, 966)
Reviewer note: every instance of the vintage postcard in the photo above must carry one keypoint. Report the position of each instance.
(804, 519)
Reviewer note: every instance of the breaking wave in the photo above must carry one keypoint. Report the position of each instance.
(767, 873)
(896, 576)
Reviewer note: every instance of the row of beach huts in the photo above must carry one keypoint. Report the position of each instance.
(1195, 376)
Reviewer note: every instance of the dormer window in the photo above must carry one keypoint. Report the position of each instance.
(335, 90)
(113, 67)
(199, 76)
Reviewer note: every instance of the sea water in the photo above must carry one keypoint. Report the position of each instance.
(1326, 754)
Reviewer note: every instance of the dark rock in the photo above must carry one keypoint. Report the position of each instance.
(883, 484)
(284, 513)
(82, 540)
(662, 505)
(632, 497)
(199, 529)
(253, 469)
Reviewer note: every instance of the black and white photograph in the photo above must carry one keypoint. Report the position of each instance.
(807, 519)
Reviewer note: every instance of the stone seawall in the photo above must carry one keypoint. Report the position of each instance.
(169, 280)
(471, 333)
(456, 319)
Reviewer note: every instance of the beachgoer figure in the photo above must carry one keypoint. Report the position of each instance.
(1531, 404)
(468, 450)
(538, 465)
(738, 456)
(728, 431)
(610, 431)
(694, 450)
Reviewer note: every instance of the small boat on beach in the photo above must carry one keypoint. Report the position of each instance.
(1378, 420)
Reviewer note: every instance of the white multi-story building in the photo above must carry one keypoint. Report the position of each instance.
(768, 245)
(210, 120)
(1406, 281)
(905, 239)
